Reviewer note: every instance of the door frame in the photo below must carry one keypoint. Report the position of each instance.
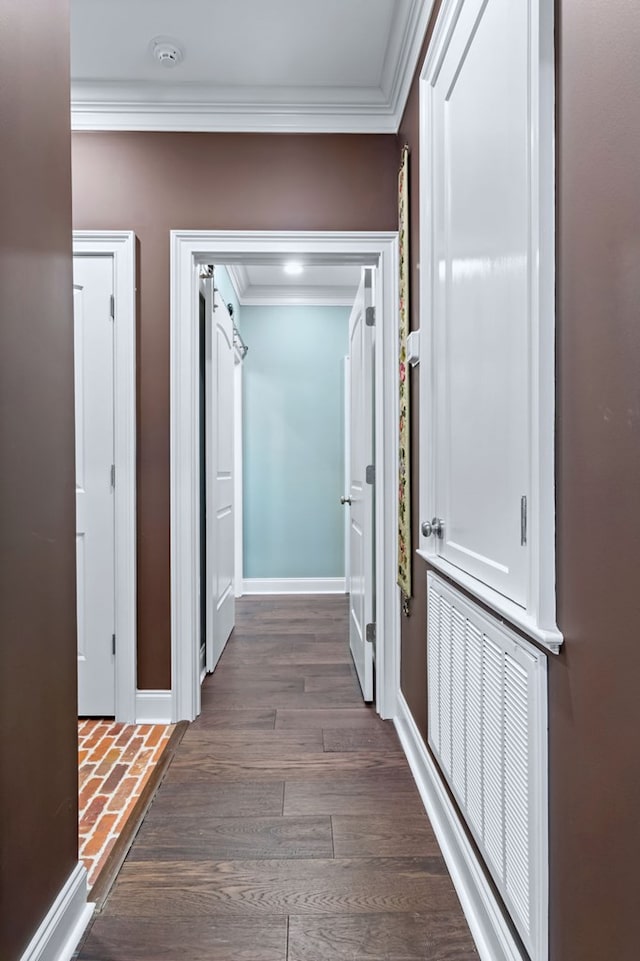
(121, 246)
(189, 249)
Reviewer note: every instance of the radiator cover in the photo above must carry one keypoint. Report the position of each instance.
(487, 690)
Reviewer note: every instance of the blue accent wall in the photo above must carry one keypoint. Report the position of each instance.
(293, 427)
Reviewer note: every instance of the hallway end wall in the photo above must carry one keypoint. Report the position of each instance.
(293, 438)
(155, 182)
(38, 654)
(594, 708)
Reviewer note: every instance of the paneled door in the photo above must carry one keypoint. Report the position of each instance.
(95, 517)
(220, 368)
(480, 163)
(360, 497)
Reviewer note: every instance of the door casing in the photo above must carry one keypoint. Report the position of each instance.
(189, 249)
(121, 246)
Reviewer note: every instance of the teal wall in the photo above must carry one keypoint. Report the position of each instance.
(293, 448)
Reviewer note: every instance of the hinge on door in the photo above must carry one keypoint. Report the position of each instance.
(370, 316)
(113, 644)
(523, 521)
(112, 307)
(370, 633)
(113, 475)
(370, 474)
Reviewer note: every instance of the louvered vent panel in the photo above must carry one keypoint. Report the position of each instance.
(433, 667)
(487, 728)
(458, 713)
(445, 681)
(473, 738)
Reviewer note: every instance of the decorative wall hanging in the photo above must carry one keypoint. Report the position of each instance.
(404, 477)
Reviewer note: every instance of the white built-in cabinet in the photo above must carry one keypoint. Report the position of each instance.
(487, 314)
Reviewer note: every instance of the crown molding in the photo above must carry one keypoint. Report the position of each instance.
(239, 278)
(399, 70)
(197, 108)
(298, 296)
(228, 118)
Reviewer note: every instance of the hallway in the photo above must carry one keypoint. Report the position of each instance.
(288, 827)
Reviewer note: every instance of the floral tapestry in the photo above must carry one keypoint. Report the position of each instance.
(404, 490)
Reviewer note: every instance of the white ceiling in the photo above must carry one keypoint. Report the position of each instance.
(262, 285)
(260, 65)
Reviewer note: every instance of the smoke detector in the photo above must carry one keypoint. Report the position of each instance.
(166, 52)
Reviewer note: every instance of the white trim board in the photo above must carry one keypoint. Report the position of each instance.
(57, 937)
(537, 618)
(154, 707)
(104, 105)
(293, 585)
(121, 245)
(188, 250)
(488, 924)
(238, 479)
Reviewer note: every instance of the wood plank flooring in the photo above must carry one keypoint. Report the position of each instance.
(288, 827)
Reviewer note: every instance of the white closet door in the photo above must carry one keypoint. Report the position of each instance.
(481, 168)
(95, 518)
(361, 548)
(220, 474)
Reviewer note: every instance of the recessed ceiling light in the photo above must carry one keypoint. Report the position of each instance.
(293, 267)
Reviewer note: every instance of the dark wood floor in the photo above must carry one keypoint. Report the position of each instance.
(288, 827)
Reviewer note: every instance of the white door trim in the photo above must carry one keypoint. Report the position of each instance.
(237, 477)
(538, 618)
(121, 245)
(188, 249)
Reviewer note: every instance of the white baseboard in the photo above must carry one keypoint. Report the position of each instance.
(294, 585)
(57, 937)
(154, 707)
(484, 914)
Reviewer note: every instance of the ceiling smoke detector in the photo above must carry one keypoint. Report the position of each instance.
(166, 52)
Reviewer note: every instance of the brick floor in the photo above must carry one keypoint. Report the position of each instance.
(115, 762)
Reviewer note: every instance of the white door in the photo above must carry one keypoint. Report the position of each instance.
(361, 491)
(481, 170)
(95, 518)
(220, 474)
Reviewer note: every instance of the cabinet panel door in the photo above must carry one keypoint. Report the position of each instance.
(481, 165)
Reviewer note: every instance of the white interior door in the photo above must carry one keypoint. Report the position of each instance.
(95, 518)
(360, 495)
(481, 169)
(220, 524)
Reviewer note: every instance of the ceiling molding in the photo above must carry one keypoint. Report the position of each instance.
(407, 60)
(239, 279)
(289, 296)
(143, 106)
(223, 118)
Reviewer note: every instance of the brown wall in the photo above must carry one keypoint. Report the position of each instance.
(594, 691)
(154, 182)
(38, 734)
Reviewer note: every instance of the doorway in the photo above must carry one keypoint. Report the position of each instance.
(189, 251)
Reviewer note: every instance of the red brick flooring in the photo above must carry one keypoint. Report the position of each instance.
(115, 762)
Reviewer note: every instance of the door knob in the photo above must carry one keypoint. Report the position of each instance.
(345, 500)
(435, 526)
